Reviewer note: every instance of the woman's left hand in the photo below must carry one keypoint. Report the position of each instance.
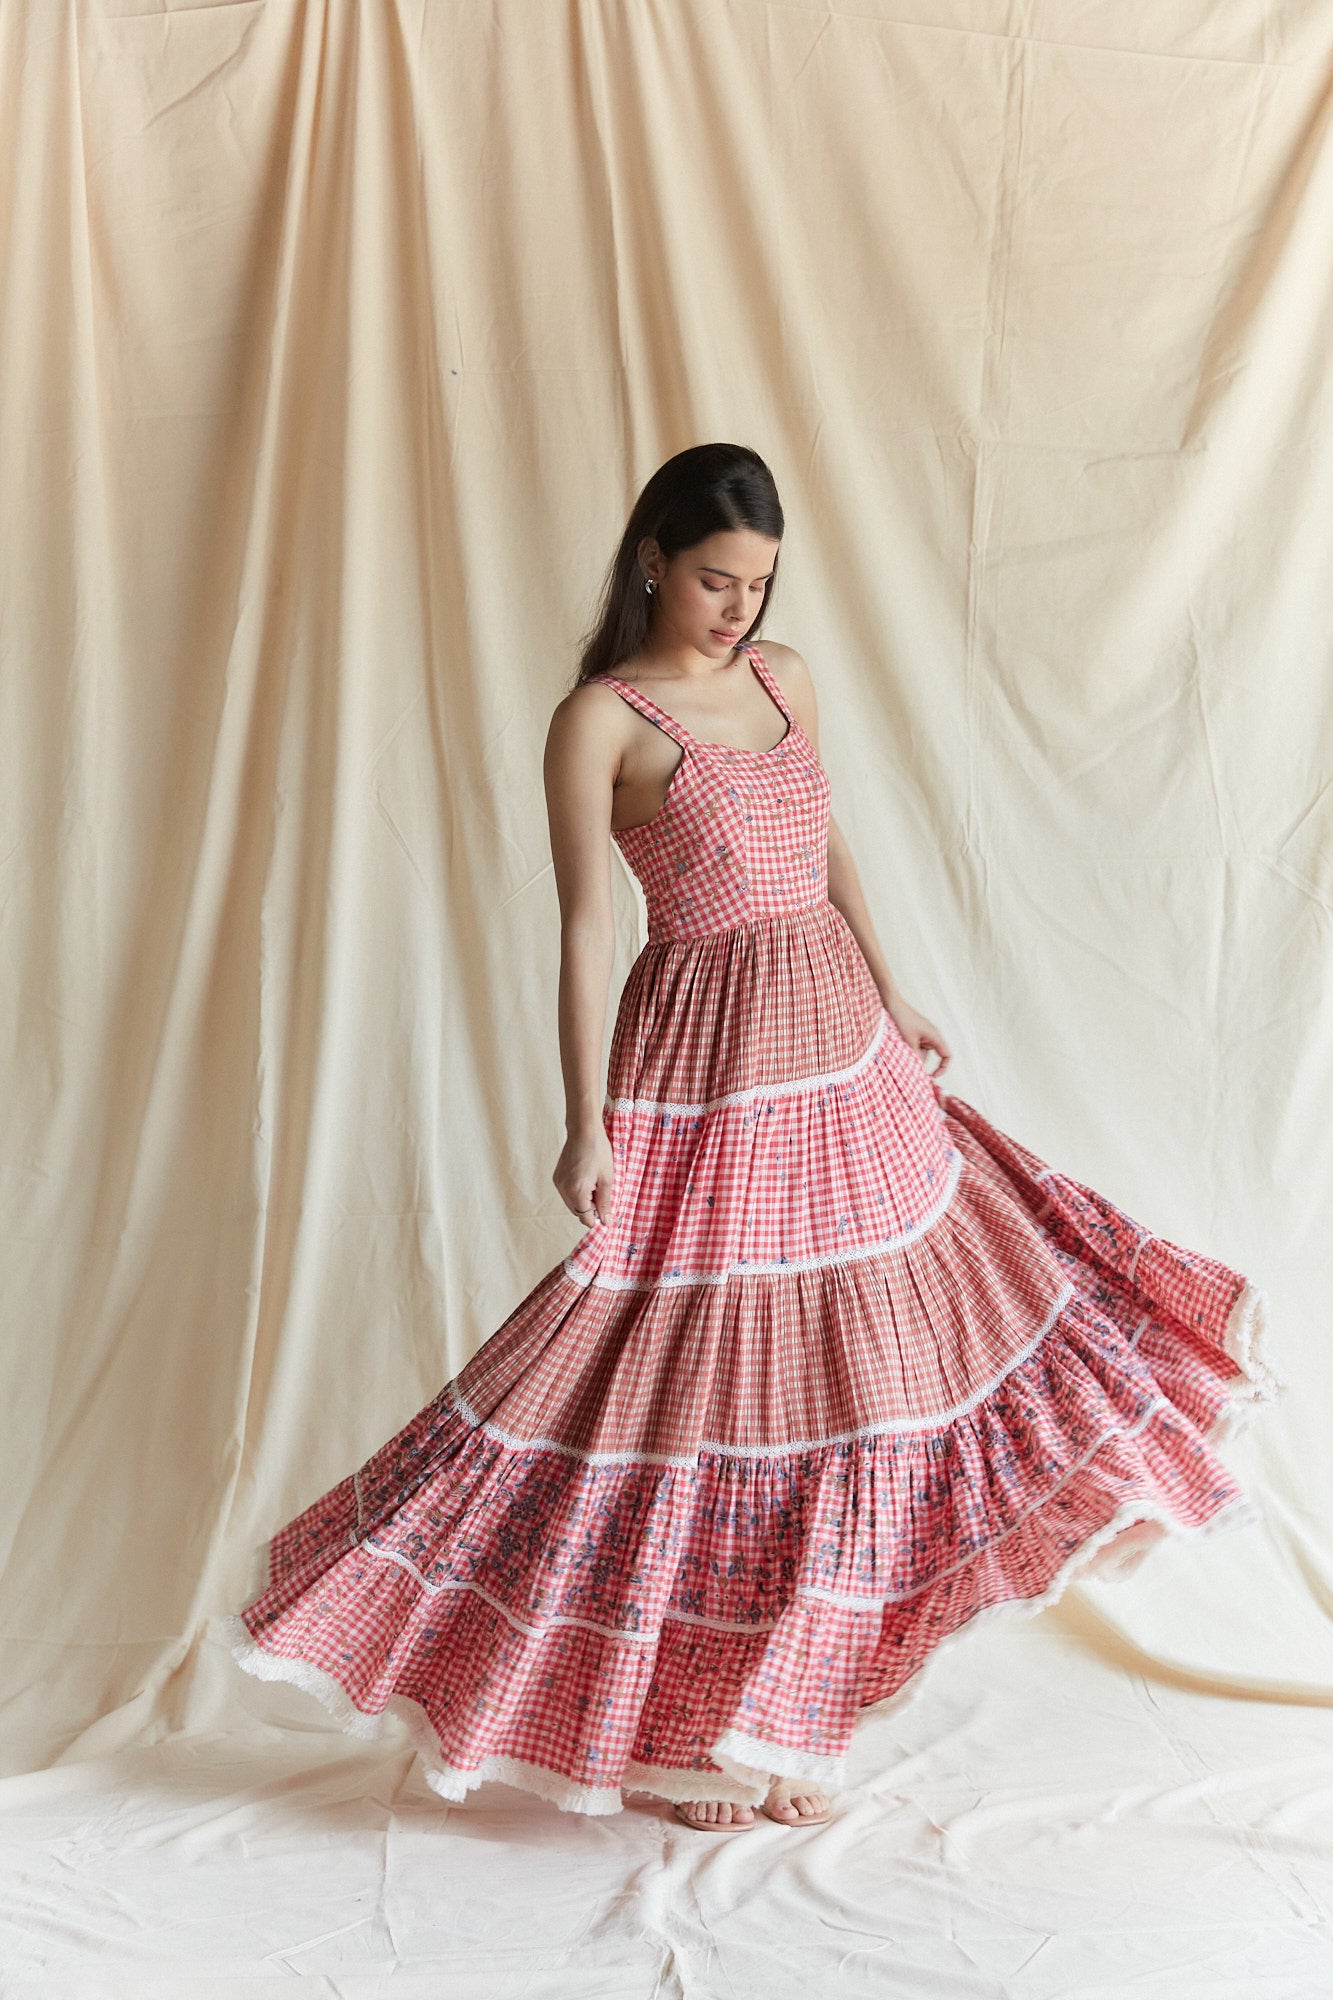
(919, 1034)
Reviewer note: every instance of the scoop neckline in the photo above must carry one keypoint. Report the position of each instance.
(697, 742)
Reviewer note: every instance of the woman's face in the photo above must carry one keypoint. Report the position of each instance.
(707, 596)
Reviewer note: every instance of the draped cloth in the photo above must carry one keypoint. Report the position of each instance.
(337, 340)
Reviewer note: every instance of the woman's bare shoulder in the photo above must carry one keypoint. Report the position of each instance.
(781, 657)
(588, 698)
(588, 720)
(793, 675)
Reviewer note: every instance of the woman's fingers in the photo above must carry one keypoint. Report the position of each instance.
(595, 1204)
(941, 1050)
(583, 1176)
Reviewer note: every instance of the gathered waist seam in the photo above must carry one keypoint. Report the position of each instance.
(749, 924)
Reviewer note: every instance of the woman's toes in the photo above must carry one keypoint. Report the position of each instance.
(792, 1807)
(717, 1812)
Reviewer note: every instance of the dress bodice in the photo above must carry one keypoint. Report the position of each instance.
(741, 834)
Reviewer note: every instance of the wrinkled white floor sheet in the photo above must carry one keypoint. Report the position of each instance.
(1038, 1823)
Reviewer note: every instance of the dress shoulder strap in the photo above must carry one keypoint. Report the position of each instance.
(765, 673)
(648, 707)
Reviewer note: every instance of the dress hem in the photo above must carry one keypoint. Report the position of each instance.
(748, 1764)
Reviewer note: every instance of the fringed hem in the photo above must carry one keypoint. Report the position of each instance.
(677, 1782)
(750, 1758)
(1246, 1341)
(445, 1779)
(538, 1779)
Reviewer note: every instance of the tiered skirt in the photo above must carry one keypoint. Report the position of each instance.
(845, 1370)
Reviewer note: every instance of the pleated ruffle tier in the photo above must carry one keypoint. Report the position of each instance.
(846, 1371)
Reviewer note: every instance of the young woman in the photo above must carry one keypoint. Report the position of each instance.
(835, 1367)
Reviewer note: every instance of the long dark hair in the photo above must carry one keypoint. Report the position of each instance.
(707, 490)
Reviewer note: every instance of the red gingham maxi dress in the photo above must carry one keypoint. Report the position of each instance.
(846, 1370)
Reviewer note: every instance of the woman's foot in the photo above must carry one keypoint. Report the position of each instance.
(796, 1802)
(714, 1815)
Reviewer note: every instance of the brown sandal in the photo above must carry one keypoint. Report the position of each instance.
(682, 1812)
(802, 1819)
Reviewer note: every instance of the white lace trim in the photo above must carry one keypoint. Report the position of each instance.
(686, 1460)
(445, 1779)
(666, 1781)
(756, 1092)
(454, 1785)
(749, 1759)
(751, 1267)
(1246, 1340)
(889, 1426)
(511, 1617)
(719, 1624)
(531, 1631)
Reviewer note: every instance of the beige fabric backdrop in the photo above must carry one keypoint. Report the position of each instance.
(337, 340)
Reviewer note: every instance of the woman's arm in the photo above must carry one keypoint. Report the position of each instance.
(579, 771)
(844, 883)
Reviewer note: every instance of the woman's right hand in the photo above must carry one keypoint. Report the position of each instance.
(585, 1175)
